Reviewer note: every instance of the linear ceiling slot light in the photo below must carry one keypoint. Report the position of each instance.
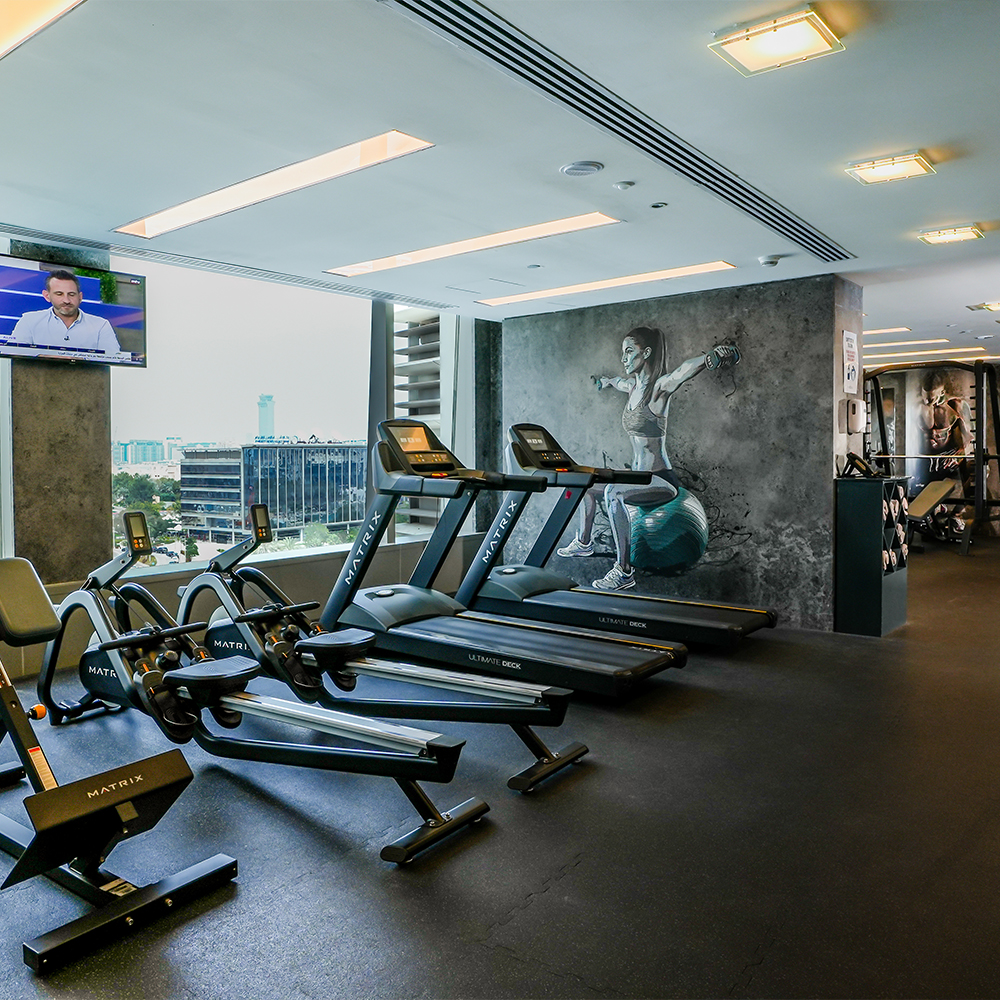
(791, 38)
(922, 354)
(958, 234)
(593, 286)
(284, 180)
(888, 329)
(890, 168)
(907, 343)
(558, 227)
(992, 306)
(24, 18)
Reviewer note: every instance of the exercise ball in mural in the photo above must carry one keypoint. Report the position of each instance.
(671, 538)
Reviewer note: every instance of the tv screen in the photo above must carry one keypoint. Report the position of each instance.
(76, 314)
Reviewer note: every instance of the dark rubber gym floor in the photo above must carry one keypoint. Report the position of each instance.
(813, 815)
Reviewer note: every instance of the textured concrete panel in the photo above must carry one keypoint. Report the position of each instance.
(61, 418)
(755, 443)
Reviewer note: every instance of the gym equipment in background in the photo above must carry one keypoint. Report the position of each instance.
(159, 670)
(295, 650)
(530, 591)
(76, 826)
(973, 481)
(417, 622)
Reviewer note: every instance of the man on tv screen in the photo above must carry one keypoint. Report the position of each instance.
(65, 324)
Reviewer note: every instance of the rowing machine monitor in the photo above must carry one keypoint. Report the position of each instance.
(260, 520)
(137, 533)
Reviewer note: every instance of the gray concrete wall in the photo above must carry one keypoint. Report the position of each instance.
(61, 422)
(755, 443)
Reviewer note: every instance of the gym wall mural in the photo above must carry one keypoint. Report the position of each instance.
(727, 398)
(661, 527)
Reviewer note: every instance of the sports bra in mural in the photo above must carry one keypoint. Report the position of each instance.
(642, 422)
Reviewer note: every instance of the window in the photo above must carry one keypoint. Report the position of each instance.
(255, 392)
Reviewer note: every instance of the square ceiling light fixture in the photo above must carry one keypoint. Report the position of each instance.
(790, 38)
(891, 168)
(284, 180)
(24, 18)
(522, 235)
(959, 234)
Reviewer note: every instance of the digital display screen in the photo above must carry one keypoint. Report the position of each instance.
(260, 518)
(60, 312)
(411, 439)
(536, 441)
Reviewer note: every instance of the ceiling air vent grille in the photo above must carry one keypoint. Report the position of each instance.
(478, 28)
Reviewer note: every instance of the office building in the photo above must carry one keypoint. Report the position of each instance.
(301, 484)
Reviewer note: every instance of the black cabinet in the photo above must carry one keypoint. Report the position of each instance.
(870, 556)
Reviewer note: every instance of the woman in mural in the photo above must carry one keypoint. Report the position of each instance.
(649, 386)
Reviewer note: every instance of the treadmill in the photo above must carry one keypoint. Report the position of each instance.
(529, 591)
(413, 620)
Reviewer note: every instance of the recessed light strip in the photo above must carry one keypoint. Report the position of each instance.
(921, 354)
(888, 329)
(294, 177)
(522, 235)
(24, 18)
(593, 286)
(908, 343)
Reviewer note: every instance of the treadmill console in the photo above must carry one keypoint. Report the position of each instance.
(539, 448)
(415, 447)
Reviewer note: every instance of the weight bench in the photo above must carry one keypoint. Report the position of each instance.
(77, 825)
(923, 505)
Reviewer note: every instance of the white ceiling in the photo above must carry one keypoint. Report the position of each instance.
(123, 108)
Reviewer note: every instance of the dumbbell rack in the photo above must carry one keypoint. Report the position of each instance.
(870, 555)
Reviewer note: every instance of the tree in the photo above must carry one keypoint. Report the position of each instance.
(128, 490)
(190, 549)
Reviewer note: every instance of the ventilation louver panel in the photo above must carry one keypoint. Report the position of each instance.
(479, 29)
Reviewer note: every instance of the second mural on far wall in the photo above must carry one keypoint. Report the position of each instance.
(661, 526)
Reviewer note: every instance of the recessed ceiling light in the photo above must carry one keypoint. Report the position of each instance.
(294, 177)
(593, 286)
(581, 168)
(558, 227)
(24, 18)
(908, 343)
(985, 336)
(921, 354)
(992, 306)
(889, 329)
(794, 37)
(956, 235)
(890, 168)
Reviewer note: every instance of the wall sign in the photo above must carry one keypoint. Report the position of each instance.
(852, 363)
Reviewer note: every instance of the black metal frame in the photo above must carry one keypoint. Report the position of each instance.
(533, 705)
(426, 757)
(74, 830)
(985, 378)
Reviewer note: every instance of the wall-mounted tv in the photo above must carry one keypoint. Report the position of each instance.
(76, 314)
